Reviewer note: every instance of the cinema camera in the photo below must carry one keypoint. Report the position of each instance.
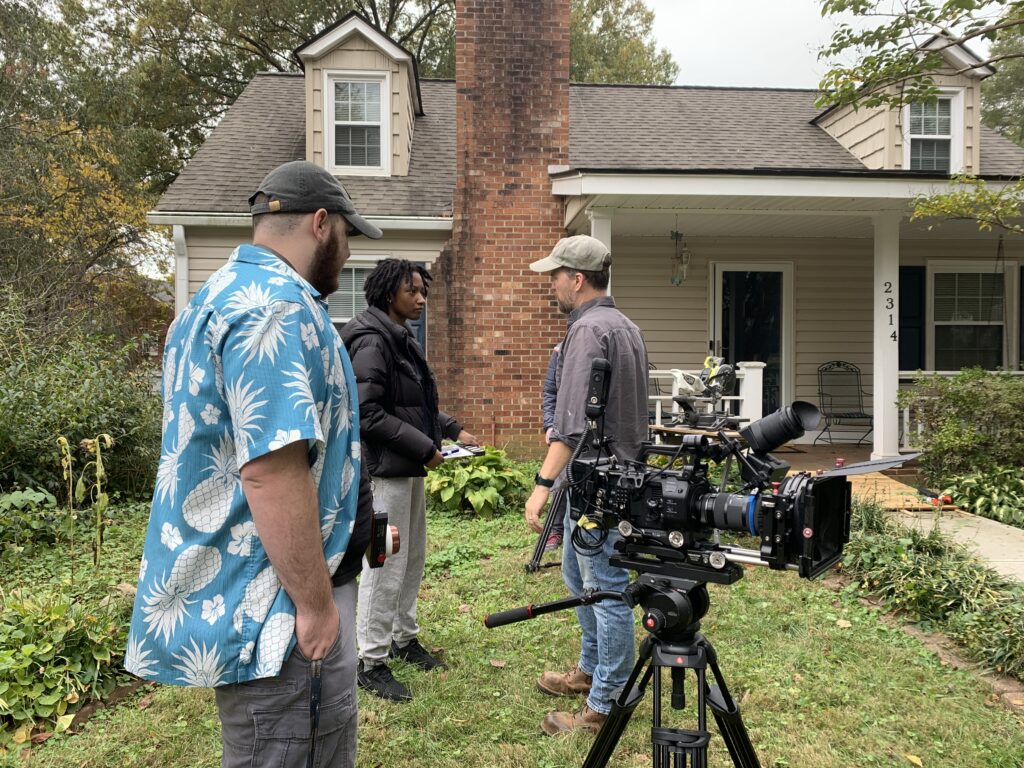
(668, 517)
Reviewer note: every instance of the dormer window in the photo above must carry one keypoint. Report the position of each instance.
(357, 109)
(931, 134)
(934, 139)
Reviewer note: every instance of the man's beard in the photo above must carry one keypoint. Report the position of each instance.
(327, 263)
(564, 308)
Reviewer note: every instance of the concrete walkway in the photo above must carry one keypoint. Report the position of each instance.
(1001, 546)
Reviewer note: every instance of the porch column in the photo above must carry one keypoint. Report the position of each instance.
(180, 269)
(886, 335)
(601, 229)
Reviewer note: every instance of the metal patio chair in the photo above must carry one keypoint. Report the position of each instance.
(842, 399)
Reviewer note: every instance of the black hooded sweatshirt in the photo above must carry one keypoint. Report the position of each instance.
(399, 421)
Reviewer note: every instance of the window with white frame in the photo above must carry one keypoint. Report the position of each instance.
(349, 300)
(969, 311)
(356, 111)
(931, 129)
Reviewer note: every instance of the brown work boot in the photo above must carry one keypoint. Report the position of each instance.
(586, 720)
(571, 683)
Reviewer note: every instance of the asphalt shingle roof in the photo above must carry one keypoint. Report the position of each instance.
(681, 129)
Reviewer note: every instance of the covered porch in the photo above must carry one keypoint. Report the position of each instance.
(797, 272)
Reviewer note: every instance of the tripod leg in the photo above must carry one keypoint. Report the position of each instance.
(631, 694)
(556, 507)
(727, 716)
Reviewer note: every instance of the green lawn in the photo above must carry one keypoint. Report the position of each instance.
(823, 681)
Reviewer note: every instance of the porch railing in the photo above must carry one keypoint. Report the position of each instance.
(665, 383)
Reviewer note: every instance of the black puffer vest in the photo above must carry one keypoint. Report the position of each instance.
(400, 423)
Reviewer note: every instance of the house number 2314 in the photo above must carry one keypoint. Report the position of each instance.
(890, 303)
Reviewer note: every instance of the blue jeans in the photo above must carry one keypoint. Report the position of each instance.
(607, 648)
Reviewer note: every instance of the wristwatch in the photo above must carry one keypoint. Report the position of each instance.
(538, 480)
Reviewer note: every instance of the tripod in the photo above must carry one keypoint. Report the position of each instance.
(556, 511)
(673, 607)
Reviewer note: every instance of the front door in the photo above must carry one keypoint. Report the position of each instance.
(751, 318)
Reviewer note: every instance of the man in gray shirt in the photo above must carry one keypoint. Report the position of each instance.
(579, 270)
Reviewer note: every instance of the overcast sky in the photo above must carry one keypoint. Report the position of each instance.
(744, 42)
(767, 43)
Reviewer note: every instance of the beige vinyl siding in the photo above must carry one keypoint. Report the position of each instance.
(866, 133)
(832, 282)
(875, 135)
(357, 54)
(210, 247)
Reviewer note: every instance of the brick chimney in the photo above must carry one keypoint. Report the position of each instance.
(498, 321)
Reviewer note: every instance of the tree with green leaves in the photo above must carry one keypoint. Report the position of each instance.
(1002, 94)
(72, 210)
(891, 66)
(612, 41)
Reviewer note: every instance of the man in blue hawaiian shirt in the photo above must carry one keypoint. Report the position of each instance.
(246, 583)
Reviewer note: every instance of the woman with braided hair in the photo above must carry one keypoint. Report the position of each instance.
(401, 429)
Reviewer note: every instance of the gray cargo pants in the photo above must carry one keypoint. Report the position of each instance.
(387, 595)
(266, 722)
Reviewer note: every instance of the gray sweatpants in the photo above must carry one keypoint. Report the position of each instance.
(266, 722)
(387, 595)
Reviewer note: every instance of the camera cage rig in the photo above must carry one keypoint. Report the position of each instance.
(672, 541)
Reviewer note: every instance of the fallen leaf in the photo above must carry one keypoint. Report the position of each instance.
(63, 723)
(126, 589)
(72, 697)
(843, 624)
(145, 701)
(465, 608)
(498, 663)
(21, 735)
(915, 760)
(39, 738)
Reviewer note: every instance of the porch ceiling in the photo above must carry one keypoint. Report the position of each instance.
(708, 216)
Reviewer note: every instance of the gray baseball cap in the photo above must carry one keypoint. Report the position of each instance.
(581, 252)
(304, 187)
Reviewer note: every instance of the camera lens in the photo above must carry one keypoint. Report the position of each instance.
(787, 423)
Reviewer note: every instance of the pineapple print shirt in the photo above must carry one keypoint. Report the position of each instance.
(251, 365)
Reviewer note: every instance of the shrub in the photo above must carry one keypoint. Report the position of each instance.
(482, 484)
(57, 650)
(72, 384)
(997, 494)
(971, 421)
(934, 579)
(28, 518)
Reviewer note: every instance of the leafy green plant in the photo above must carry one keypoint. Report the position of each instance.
(970, 422)
(933, 579)
(997, 494)
(56, 650)
(482, 484)
(28, 518)
(66, 382)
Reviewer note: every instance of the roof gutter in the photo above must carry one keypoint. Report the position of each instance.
(750, 183)
(205, 219)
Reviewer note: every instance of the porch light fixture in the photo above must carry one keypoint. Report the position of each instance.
(680, 259)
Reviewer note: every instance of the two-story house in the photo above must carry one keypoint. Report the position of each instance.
(745, 219)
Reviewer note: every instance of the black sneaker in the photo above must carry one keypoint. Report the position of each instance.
(417, 655)
(379, 681)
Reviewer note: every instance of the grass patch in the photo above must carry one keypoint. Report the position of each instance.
(814, 691)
